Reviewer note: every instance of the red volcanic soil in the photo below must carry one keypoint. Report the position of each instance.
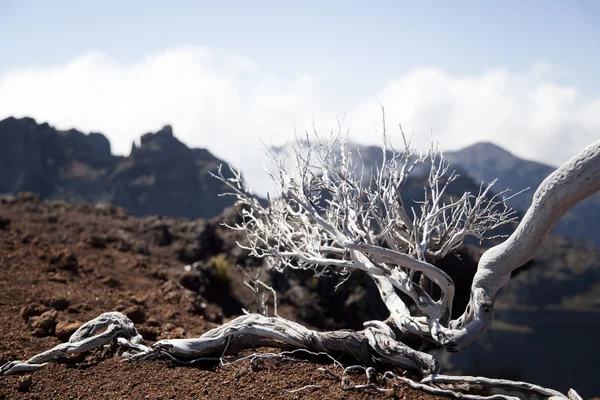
(62, 265)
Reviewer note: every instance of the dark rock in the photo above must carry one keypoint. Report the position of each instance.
(136, 313)
(190, 280)
(24, 384)
(59, 303)
(210, 311)
(97, 242)
(28, 238)
(4, 224)
(158, 234)
(207, 282)
(207, 243)
(66, 260)
(189, 253)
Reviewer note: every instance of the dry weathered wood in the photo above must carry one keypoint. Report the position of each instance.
(376, 343)
(574, 181)
(85, 338)
(373, 344)
(366, 227)
(482, 386)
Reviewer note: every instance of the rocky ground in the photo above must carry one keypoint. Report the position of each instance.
(62, 265)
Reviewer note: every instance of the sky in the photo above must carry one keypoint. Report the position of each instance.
(230, 76)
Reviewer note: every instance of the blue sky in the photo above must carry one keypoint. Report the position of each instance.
(514, 72)
(373, 40)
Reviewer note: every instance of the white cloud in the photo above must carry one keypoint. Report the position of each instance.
(225, 102)
(527, 113)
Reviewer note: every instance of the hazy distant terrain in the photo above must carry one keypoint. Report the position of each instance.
(486, 161)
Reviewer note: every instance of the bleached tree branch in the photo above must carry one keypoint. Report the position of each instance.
(331, 214)
(574, 181)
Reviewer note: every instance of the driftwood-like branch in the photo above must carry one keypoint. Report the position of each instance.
(478, 388)
(574, 181)
(375, 344)
(117, 326)
(333, 216)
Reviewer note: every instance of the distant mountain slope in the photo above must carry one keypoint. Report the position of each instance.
(164, 176)
(486, 161)
(161, 176)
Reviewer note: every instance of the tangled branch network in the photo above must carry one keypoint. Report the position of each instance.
(333, 215)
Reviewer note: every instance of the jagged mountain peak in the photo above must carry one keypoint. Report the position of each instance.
(161, 176)
(482, 152)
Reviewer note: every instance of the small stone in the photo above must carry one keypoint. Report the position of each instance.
(59, 303)
(136, 313)
(190, 280)
(29, 238)
(32, 310)
(44, 324)
(159, 234)
(24, 384)
(4, 224)
(97, 242)
(210, 312)
(64, 329)
(66, 260)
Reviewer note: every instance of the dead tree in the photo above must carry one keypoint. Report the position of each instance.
(328, 217)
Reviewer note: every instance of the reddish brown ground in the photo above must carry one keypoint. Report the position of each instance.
(109, 271)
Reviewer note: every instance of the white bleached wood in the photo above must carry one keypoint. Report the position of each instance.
(85, 338)
(376, 343)
(328, 218)
(574, 181)
(489, 387)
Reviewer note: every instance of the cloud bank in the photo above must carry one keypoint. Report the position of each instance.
(228, 103)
